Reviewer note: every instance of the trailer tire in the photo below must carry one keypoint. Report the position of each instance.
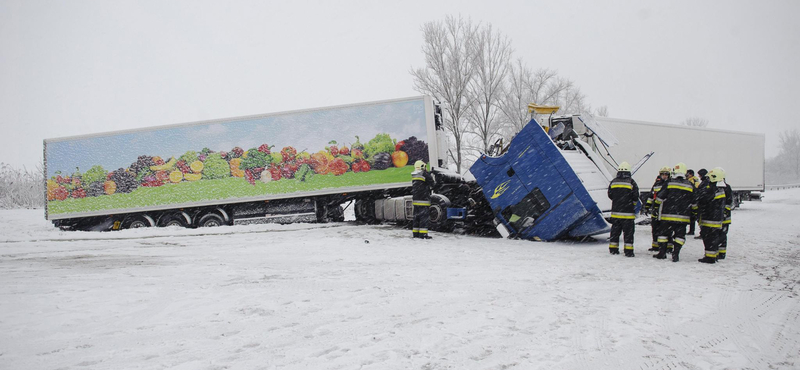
(211, 220)
(137, 221)
(174, 219)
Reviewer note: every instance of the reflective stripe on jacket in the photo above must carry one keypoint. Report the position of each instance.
(675, 200)
(421, 184)
(624, 193)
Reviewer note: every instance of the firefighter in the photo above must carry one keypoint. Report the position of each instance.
(663, 177)
(624, 193)
(703, 185)
(726, 224)
(695, 182)
(421, 184)
(711, 204)
(673, 207)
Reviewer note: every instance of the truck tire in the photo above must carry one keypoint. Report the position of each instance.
(438, 213)
(137, 221)
(365, 211)
(211, 220)
(174, 219)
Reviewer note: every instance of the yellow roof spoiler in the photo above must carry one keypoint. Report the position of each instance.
(542, 109)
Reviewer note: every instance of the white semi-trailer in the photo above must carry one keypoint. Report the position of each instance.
(287, 166)
(741, 154)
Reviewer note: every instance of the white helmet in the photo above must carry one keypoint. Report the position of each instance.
(679, 170)
(716, 174)
(624, 166)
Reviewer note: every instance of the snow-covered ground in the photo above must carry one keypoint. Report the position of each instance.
(341, 296)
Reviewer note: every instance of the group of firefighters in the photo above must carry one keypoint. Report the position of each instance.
(676, 200)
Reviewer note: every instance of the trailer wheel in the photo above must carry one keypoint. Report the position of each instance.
(210, 220)
(137, 221)
(174, 219)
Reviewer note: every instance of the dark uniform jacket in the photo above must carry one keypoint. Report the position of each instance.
(728, 203)
(675, 200)
(711, 203)
(421, 184)
(653, 194)
(624, 193)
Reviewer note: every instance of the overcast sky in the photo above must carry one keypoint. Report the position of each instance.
(78, 67)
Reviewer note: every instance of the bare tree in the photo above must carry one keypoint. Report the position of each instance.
(790, 153)
(695, 122)
(525, 87)
(569, 97)
(601, 111)
(20, 188)
(516, 97)
(449, 50)
(493, 52)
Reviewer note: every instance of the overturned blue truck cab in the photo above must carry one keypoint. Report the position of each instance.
(535, 193)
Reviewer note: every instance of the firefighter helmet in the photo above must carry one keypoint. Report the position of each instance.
(624, 166)
(716, 174)
(679, 170)
(665, 170)
(419, 165)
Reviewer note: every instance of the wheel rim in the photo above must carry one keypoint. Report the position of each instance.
(137, 224)
(174, 223)
(211, 223)
(436, 214)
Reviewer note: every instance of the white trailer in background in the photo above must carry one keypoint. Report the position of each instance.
(741, 154)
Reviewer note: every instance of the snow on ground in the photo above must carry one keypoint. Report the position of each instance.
(341, 296)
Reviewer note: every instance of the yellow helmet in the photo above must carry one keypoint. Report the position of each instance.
(665, 170)
(419, 165)
(624, 166)
(716, 174)
(679, 170)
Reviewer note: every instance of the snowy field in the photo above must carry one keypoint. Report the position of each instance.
(341, 296)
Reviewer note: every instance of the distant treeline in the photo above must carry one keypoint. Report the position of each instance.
(21, 188)
(785, 167)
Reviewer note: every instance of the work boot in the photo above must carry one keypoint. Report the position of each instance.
(721, 256)
(425, 236)
(707, 260)
(676, 254)
(629, 254)
(613, 250)
(653, 248)
(662, 252)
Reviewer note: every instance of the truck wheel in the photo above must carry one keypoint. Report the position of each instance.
(365, 211)
(173, 219)
(210, 220)
(438, 212)
(138, 221)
